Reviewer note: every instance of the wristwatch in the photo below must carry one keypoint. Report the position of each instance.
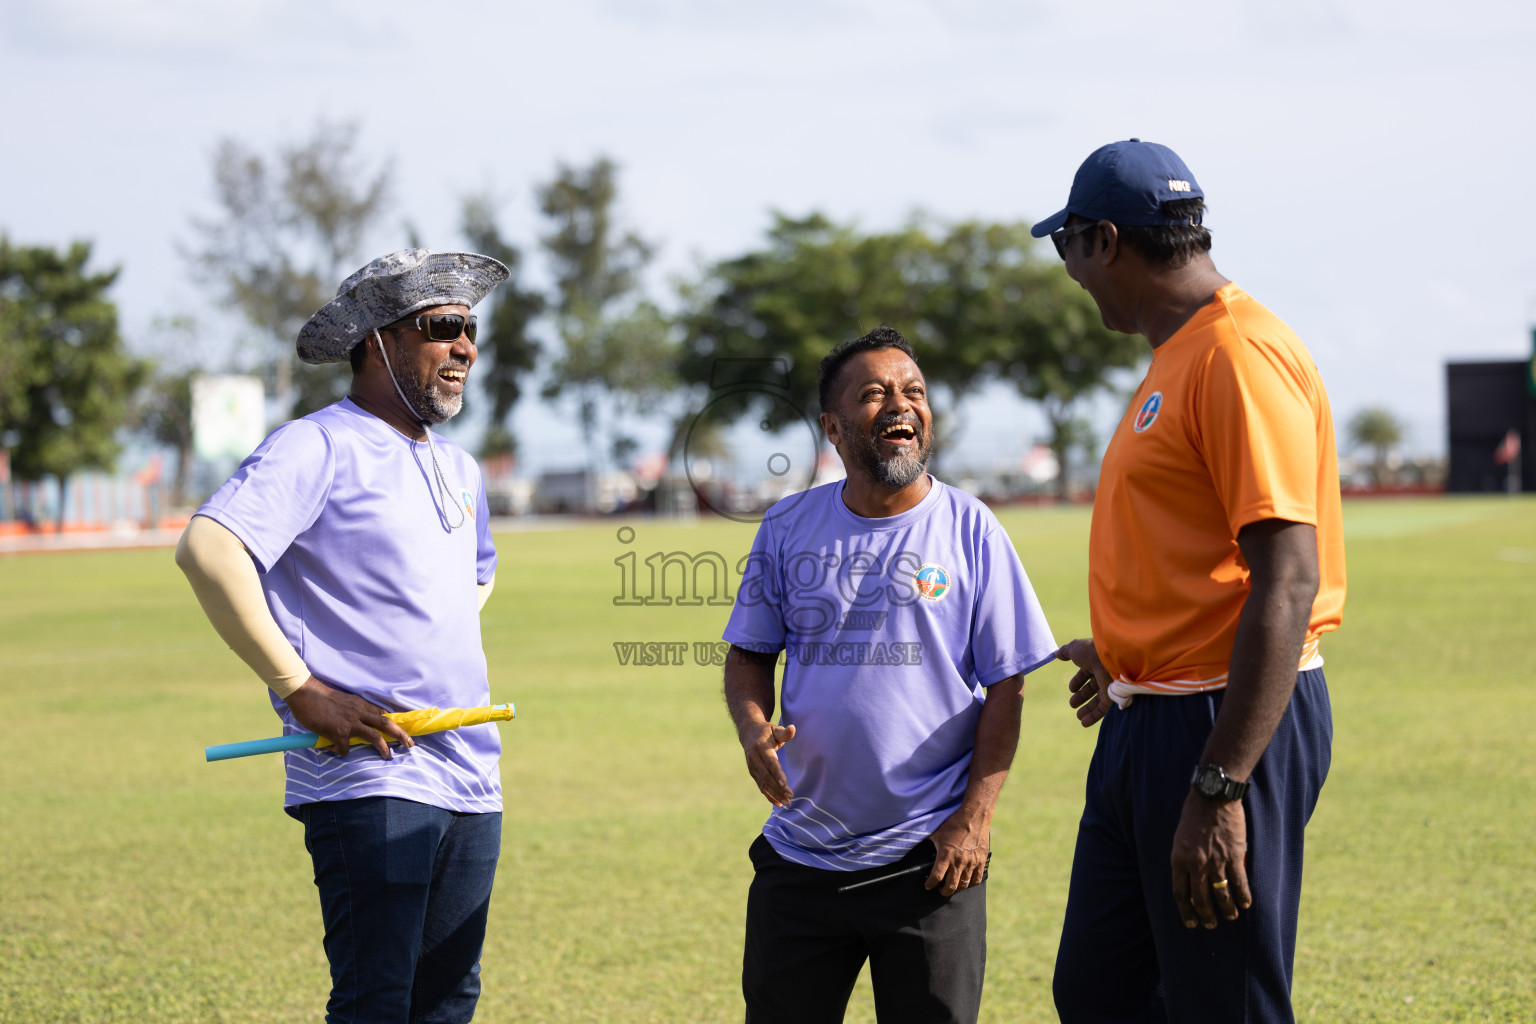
(1212, 782)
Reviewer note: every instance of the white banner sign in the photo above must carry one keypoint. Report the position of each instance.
(229, 416)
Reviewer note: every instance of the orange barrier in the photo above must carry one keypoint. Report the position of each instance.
(17, 528)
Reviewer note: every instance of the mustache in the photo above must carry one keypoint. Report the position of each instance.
(891, 419)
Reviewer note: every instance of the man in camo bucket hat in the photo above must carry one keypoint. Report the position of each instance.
(355, 537)
(391, 288)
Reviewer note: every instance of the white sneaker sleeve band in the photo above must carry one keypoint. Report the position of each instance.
(227, 586)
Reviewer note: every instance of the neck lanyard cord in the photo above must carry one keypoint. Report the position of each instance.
(437, 469)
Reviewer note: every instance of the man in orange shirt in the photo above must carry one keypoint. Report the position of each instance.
(1216, 561)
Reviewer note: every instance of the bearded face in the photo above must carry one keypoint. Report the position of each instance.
(436, 392)
(880, 420)
(431, 373)
(894, 448)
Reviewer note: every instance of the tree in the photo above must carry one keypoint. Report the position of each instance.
(65, 376)
(974, 299)
(162, 407)
(1379, 430)
(511, 352)
(290, 228)
(814, 284)
(976, 288)
(163, 412)
(618, 352)
(968, 283)
(1061, 354)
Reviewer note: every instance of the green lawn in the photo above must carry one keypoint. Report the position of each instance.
(140, 884)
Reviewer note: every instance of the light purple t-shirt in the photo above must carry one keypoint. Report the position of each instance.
(377, 594)
(892, 629)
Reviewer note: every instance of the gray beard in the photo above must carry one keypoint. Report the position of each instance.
(896, 472)
(430, 404)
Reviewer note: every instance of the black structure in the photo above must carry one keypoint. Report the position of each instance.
(1484, 401)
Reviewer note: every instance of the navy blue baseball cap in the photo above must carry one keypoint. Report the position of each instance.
(1127, 183)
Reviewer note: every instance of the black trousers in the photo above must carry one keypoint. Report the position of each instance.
(1125, 955)
(806, 943)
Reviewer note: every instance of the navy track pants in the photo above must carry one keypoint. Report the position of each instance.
(1125, 954)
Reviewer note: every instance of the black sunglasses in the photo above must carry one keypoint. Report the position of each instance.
(1059, 238)
(439, 326)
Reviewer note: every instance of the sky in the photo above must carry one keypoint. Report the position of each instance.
(1366, 164)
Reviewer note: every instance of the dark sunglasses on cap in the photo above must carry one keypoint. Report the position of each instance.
(439, 326)
(1059, 238)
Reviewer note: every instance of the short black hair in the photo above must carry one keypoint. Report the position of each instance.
(832, 366)
(1170, 245)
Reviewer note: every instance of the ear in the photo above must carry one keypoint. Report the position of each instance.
(1111, 236)
(372, 351)
(831, 428)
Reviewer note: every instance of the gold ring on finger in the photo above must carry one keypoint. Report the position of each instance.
(1220, 886)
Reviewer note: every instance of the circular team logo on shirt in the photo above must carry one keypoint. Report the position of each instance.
(1147, 414)
(468, 501)
(932, 581)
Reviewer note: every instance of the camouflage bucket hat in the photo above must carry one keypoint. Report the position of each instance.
(393, 287)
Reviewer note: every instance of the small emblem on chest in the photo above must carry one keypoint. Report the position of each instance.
(1147, 414)
(468, 501)
(932, 581)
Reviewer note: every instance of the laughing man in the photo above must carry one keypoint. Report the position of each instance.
(909, 625)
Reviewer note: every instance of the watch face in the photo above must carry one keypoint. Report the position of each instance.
(1209, 783)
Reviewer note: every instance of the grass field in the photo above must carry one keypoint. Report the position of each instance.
(138, 883)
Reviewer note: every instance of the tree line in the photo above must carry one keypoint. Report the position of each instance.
(981, 302)
(978, 300)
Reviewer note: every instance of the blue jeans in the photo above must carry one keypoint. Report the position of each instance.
(404, 891)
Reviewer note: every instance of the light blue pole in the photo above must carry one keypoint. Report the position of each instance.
(295, 741)
(225, 751)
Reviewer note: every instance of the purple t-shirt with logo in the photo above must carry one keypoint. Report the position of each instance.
(892, 629)
(351, 536)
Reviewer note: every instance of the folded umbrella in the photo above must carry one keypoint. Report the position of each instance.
(416, 723)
